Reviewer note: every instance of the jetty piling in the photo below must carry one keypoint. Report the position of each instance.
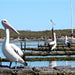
(21, 44)
(43, 50)
(25, 44)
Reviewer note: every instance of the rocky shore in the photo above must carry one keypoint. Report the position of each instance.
(37, 70)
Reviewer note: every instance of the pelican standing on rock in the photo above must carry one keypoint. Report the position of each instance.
(11, 51)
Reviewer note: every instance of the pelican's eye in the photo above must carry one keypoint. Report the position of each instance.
(4, 21)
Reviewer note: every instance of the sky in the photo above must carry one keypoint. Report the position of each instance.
(35, 15)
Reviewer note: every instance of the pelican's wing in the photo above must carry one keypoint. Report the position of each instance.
(53, 47)
(52, 43)
(17, 49)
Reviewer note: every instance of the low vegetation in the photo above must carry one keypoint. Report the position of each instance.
(37, 34)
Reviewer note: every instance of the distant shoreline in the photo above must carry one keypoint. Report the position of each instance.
(39, 35)
(18, 39)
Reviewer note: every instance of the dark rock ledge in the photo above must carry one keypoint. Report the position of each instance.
(37, 70)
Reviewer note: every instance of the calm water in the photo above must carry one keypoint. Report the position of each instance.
(37, 63)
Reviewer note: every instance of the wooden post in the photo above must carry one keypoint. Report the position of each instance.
(38, 43)
(1, 61)
(52, 34)
(21, 44)
(24, 44)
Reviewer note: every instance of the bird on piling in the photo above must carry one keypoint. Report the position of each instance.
(11, 51)
(67, 43)
(52, 45)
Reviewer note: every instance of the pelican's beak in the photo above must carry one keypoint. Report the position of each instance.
(8, 26)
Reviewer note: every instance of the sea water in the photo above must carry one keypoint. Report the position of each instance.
(36, 63)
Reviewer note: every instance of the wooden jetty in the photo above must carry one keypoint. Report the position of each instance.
(43, 50)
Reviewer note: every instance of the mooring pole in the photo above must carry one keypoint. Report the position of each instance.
(24, 44)
(21, 44)
(52, 34)
(71, 20)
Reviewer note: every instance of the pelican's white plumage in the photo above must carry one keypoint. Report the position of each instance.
(53, 43)
(66, 40)
(11, 51)
(67, 43)
(17, 50)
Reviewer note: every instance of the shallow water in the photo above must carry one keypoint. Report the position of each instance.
(37, 63)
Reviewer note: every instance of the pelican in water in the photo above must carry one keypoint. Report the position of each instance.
(52, 45)
(11, 51)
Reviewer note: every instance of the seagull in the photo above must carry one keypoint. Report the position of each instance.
(11, 51)
(52, 45)
(67, 43)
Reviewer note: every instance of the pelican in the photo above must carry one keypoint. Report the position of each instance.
(52, 44)
(11, 51)
(67, 43)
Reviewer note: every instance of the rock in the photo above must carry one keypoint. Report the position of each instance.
(4, 69)
(22, 69)
(63, 69)
(43, 69)
(34, 70)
